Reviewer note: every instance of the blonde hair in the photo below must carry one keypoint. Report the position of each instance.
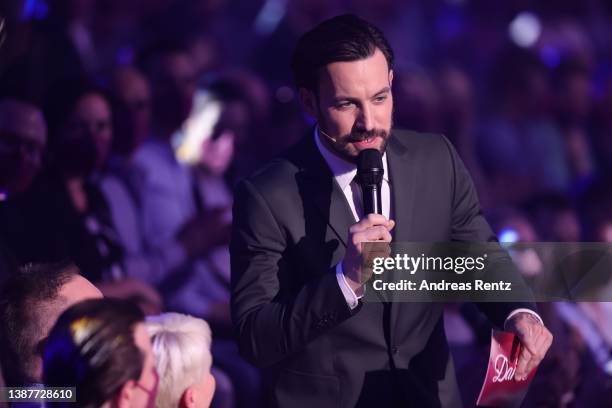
(181, 347)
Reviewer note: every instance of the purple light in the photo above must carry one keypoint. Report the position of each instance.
(508, 235)
(550, 56)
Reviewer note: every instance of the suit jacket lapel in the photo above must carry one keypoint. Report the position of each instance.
(319, 187)
(402, 177)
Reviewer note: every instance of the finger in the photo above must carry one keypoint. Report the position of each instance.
(536, 343)
(549, 340)
(376, 219)
(386, 234)
(359, 227)
(372, 220)
(383, 235)
(371, 234)
(522, 364)
(378, 233)
(528, 335)
(535, 357)
(536, 340)
(543, 342)
(535, 361)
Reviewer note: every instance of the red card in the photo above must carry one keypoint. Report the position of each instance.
(499, 388)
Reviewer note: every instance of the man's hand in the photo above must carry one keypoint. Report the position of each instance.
(374, 227)
(535, 341)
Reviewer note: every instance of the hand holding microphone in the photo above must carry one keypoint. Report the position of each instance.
(372, 227)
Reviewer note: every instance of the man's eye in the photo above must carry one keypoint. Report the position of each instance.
(344, 105)
(380, 99)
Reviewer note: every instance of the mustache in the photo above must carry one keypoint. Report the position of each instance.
(360, 135)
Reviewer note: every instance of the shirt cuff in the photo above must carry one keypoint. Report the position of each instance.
(352, 299)
(523, 310)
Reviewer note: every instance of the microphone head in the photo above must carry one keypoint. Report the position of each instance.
(370, 167)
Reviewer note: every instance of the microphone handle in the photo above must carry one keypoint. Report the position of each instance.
(372, 199)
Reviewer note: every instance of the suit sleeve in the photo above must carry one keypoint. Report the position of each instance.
(469, 225)
(271, 323)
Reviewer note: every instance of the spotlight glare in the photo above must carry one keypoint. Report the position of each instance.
(525, 29)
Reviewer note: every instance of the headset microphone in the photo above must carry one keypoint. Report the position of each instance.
(327, 136)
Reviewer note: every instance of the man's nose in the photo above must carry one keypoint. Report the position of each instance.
(365, 119)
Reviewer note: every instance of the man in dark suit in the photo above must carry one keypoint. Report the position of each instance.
(298, 228)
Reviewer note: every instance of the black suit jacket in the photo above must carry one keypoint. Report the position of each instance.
(291, 223)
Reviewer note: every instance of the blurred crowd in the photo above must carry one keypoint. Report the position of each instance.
(59, 331)
(124, 125)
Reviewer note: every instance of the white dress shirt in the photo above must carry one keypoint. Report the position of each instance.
(344, 172)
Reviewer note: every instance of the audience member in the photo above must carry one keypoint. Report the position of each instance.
(131, 93)
(172, 221)
(67, 207)
(23, 136)
(101, 347)
(32, 299)
(121, 179)
(181, 347)
(248, 106)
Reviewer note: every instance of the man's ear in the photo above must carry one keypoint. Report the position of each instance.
(124, 396)
(308, 101)
(188, 399)
(390, 77)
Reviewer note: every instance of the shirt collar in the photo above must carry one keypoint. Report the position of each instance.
(344, 172)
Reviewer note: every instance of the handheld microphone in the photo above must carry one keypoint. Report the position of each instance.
(370, 174)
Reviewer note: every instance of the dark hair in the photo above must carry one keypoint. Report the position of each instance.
(61, 101)
(92, 348)
(341, 38)
(20, 324)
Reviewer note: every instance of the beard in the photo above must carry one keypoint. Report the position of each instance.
(344, 146)
(345, 143)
